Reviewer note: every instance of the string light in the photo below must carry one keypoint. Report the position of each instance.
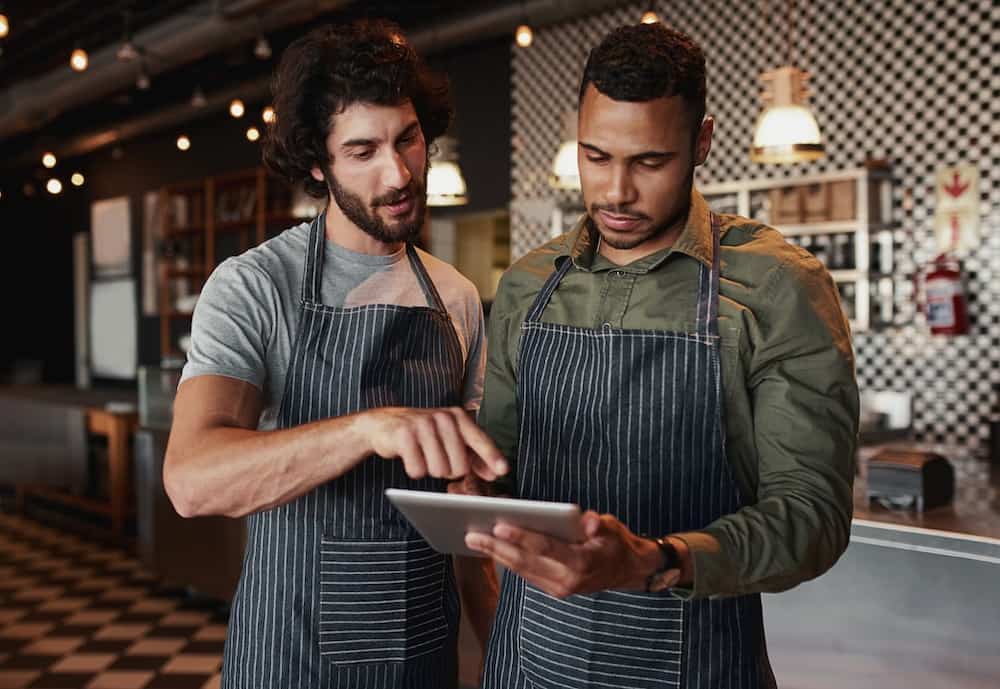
(78, 60)
(253, 133)
(649, 17)
(4, 26)
(524, 35)
(236, 108)
(77, 179)
(183, 143)
(49, 160)
(269, 116)
(53, 186)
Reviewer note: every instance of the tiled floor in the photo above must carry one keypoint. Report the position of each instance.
(77, 615)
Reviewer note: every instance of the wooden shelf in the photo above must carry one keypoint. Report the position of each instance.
(236, 225)
(196, 230)
(207, 199)
(185, 272)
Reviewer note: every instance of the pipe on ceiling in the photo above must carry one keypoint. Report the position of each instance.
(493, 23)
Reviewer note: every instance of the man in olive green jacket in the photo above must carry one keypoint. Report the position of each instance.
(688, 379)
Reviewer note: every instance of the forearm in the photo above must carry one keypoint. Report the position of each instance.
(234, 471)
(768, 547)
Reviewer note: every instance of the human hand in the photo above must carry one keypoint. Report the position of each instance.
(443, 443)
(610, 556)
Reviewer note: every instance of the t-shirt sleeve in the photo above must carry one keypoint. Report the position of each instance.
(475, 362)
(233, 324)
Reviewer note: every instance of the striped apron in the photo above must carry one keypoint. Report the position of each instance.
(626, 422)
(338, 591)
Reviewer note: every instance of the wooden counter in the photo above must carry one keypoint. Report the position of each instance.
(974, 511)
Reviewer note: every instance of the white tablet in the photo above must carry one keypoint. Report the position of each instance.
(444, 519)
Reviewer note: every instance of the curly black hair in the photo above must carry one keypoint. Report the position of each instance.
(648, 61)
(333, 67)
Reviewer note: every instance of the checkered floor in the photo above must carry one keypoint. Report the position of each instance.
(76, 615)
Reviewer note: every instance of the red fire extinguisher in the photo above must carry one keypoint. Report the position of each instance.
(945, 305)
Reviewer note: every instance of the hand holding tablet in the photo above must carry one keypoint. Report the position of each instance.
(443, 519)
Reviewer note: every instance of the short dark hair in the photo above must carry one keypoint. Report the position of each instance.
(647, 61)
(333, 67)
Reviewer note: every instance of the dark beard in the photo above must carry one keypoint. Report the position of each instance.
(370, 222)
(654, 232)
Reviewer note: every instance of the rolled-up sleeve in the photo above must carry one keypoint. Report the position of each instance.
(498, 414)
(805, 422)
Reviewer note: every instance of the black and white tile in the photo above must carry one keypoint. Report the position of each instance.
(916, 82)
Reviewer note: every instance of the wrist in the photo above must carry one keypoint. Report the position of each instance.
(686, 561)
(648, 561)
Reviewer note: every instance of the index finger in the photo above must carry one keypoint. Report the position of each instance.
(481, 444)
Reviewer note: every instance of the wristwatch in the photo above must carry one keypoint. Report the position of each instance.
(662, 579)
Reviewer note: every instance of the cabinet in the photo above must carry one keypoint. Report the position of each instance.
(843, 218)
(203, 222)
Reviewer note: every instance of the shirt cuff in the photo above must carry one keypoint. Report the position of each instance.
(713, 570)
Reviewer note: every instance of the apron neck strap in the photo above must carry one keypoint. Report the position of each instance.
(312, 278)
(707, 316)
(430, 291)
(707, 319)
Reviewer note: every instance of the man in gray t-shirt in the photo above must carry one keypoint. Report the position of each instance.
(327, 365)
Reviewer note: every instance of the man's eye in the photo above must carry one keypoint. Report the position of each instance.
(596, 159)
(651, 164)
(364, 155)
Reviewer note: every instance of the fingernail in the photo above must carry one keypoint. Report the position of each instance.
(502, 467)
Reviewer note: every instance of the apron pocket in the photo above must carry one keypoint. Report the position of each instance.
(380, 601)
(612, 639)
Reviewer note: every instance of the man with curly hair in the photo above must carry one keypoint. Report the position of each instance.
(685, 377)
(330, 363)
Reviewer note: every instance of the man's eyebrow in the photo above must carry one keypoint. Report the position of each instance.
(352, 143)
(637, 156)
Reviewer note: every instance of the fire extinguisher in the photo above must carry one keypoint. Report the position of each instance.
(945, 305)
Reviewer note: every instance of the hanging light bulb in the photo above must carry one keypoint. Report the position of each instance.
(236, 108)
(198, 98)
(262, 49)
(524, 35)
(269, 116)
(183, 143)
(76, 179)
(445, 183)
(78, 59)
(49, 160)
(649, 17)
(53, 186)
(565, 170)
(786, 130)
(127, 51)
(253, 134)
(4, 26)
(142, 81)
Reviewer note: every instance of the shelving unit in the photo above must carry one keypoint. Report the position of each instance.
(870, 222)
(203, 222)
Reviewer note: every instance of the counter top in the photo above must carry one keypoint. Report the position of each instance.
(974, 511)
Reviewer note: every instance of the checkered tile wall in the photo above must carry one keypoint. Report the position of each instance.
(913, 81)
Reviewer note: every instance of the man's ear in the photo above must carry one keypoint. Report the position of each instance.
(316, 173)
(703, 144)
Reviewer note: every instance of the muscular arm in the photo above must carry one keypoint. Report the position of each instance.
(217, 463)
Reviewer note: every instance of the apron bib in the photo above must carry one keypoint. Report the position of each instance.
(338, 590)
(629, 423)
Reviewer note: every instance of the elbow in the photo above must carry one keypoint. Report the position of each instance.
(179, 487)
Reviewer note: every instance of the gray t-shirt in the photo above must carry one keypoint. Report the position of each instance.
(247, 316)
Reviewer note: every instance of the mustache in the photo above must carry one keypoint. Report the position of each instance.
(398, 195)
(617, 210)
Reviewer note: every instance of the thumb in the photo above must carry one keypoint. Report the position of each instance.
(591, 522)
